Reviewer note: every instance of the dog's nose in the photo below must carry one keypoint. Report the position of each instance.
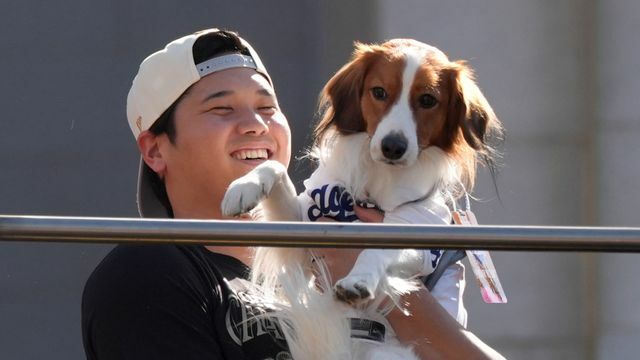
(394, 146)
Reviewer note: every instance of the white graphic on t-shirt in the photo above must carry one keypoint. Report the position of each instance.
(245, 318)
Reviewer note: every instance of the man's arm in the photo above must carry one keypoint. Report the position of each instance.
(430, 329)
(434, 334)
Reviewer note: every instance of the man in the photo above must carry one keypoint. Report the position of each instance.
(203, 111)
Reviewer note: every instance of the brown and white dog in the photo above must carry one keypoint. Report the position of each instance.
(402, 127)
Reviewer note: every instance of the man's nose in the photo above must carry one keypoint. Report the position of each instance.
(251, 122)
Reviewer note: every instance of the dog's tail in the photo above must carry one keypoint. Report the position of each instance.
(313, 322)
(270, 263)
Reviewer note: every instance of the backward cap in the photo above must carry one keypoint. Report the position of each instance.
(164, 75)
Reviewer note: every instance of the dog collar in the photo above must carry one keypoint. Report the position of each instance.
(367, 329)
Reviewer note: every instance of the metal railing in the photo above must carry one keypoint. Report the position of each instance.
(341, 235)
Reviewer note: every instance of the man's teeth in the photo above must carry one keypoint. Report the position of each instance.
(251, 154)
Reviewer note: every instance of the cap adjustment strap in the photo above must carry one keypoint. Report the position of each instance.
(225, 62)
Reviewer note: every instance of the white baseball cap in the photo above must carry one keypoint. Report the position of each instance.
(162, 78)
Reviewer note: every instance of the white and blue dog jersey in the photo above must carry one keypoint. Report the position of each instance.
(330, 199)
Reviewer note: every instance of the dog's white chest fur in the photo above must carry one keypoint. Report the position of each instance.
(346, 159)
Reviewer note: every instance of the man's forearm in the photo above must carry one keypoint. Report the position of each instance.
(434, 334)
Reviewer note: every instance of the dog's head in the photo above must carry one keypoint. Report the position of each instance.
(408, 96)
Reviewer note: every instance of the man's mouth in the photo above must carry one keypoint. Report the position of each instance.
(252, 154)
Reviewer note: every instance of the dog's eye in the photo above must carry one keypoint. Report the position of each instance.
(379, 93)
(428, 101)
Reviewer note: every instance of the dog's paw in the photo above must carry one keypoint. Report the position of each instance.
(247, 192)
(355, 289)
(243, 195)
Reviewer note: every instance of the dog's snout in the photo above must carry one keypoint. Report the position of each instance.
(394, 146)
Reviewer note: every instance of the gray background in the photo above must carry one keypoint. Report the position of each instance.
(562, 75)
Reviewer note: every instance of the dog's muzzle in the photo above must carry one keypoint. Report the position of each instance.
(394, 146)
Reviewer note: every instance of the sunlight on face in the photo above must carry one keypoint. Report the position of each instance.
(227, 123)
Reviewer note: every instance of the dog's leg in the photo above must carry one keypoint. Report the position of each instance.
(374, 266)
(267, 184)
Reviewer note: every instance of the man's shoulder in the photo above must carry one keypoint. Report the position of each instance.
(133, 270)
(142, 259)
(140, 295)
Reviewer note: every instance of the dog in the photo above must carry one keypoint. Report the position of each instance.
(403, 128)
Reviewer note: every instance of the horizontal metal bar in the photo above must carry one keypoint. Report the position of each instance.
(341, 235)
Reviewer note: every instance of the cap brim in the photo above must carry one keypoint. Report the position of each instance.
(149, 206)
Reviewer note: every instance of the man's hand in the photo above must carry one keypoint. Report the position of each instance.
(369, 215)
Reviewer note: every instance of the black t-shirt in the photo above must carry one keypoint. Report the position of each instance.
(174, 302)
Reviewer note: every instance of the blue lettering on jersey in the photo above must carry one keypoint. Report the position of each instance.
(332, 202)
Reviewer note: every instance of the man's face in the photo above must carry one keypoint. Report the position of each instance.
(226, 124)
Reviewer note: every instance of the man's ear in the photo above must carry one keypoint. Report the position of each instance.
(149, 146)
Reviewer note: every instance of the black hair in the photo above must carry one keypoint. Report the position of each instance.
(205, 47)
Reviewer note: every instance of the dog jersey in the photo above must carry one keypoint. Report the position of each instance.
(333, 201)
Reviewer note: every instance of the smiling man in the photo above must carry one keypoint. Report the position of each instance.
(203, 112)
(226, 124)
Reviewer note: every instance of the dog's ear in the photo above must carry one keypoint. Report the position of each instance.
(340, 99)
(471, 121)
(469, 110)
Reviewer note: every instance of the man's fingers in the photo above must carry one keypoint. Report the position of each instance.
(368, 215)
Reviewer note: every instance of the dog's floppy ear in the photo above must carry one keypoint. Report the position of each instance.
(471, 121)
(469, 110)
(340, 98)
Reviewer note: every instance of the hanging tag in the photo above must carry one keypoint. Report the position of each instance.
(482, 265)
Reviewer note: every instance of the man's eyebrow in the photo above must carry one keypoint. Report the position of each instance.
(265, 92)
(223, 93)
(216, 95)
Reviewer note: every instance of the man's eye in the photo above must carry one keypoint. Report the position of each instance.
(267, 109)
(221, 109)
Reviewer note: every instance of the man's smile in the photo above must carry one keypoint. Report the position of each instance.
(251, 154)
